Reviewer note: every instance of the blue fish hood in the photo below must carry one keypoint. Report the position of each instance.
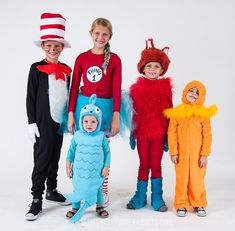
(92, 110)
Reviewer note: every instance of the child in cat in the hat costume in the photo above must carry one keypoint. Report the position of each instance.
(47, 96)
(151, 94)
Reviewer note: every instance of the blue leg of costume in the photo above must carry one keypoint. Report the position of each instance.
(100, 197)
(139, 200)
(157, 201)
(75, 205)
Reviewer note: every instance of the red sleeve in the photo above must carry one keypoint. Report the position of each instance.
(117, 82)
(76, 79)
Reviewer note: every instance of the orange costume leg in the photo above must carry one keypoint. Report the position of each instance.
(182, 178)
(196, 187)
(190, 188)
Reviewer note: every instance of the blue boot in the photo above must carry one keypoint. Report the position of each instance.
(157, 201)
(139, 200)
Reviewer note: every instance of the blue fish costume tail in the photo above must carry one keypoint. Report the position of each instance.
(77, 216)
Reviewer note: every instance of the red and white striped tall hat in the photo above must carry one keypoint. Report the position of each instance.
(52, 28)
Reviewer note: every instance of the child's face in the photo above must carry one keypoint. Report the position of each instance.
(52, 50)
(100, 36)
(192, 95)
(89, 123)
(152, 70)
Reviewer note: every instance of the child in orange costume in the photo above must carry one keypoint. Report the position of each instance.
(189, 140)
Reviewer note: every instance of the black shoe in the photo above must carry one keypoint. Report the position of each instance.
(35, 209)
(55, 196)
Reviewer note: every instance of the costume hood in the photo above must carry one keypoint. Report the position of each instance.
(201, 90)
(93, 110)
(152, 54)
(196, 108)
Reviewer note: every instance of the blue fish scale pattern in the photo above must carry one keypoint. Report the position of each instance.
(88, 162)
(90, 157)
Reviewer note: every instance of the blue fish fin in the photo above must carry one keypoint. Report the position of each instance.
(77, 216)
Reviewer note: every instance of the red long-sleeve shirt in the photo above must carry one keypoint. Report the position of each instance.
(88, 69)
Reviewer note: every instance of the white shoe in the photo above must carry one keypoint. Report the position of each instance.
(200, 211)
(181, 212)
(31, 216)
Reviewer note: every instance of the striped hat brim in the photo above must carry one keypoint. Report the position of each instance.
(66, 43)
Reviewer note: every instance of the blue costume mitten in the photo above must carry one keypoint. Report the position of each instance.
(132, 141)
(166, 148)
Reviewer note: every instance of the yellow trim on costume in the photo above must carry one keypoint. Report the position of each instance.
(187, 110)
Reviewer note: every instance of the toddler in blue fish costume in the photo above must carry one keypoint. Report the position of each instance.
(87, 163)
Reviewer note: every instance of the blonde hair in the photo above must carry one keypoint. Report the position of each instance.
(105, 23)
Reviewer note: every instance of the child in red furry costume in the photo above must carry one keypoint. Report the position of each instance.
(150, 95)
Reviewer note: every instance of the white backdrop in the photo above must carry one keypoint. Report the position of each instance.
(201, 38)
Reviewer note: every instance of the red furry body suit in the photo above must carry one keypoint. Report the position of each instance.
(150, 98)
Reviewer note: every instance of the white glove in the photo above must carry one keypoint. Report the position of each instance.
(33, 131)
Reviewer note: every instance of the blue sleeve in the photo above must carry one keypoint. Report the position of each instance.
(132, 141)
(71, 152)
(166, 147)
(106, 150)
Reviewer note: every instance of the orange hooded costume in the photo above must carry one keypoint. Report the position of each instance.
(189, 137)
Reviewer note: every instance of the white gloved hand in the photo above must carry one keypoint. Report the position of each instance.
(33, 131)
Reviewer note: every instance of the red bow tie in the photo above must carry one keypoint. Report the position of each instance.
(58, 68)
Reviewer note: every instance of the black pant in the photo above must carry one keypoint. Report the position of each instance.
(46, 158)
